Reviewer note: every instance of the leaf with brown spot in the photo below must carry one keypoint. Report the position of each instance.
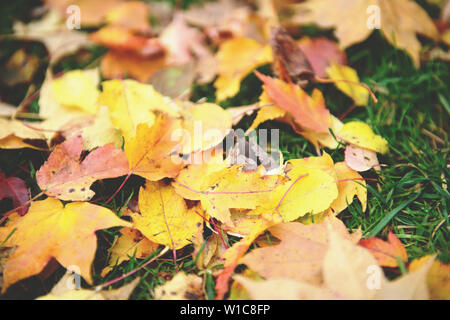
(65, 176)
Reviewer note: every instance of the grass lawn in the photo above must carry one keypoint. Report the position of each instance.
(410, 196)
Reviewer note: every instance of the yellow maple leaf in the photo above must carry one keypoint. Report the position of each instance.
(309, 190)
(360, 134)
(165, 217)
(132, 103)
(52, 230)
(230, 188)
(153, 152)
(350, 183)
(236, 58)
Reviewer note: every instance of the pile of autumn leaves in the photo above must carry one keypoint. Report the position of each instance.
(129, 128)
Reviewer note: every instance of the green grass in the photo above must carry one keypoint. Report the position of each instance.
(410, 195)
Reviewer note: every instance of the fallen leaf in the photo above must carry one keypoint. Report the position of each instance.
(131, 243)
(62, 291)
(52, 230)
(132, 103)
(412, 286)
(65, 176)
(337, 72)
(204, 125)
(361, 135)
(125, 40)
(183, 42)
(92, 12)
(360, 159)
(291, 64)
(321, 53)
(53, 32)
(236, 59)
(388, 252)
(118, 64)
(300, 254)
(165, 218)
(345, 268)
(154, 152)
(307, 111)
(101, 132)
(15, 189)
(15, 134)
(350, 184)
(309, 190)
(283, 289)
(230, 188)
(120, 16)
(438, 278)
(353, 22)
(181, 287)
(77, 89)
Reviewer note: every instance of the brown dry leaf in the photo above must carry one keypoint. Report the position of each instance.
(65, 176)
(353, 22)
(181, 287)
(290, 63)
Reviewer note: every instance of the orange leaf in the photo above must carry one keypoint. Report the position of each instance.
(64, 176)
(50, 230)
(386, 253)
(308, 111)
